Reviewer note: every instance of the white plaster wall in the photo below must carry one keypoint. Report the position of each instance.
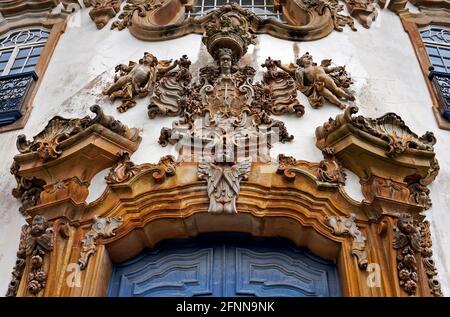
(381, 62)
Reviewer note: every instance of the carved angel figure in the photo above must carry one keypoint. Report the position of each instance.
(40, 237)
(320, 82)
(223, 183)
(406, 233)
(137, 79)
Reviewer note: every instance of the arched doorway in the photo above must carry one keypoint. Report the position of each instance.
(225, 265)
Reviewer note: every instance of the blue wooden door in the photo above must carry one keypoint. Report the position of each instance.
(225, 266)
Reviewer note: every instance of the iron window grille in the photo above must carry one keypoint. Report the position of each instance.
(437, 43)
(19, 54)
(262, 8)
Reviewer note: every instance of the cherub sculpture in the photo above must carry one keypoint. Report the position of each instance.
(137, 79)
(320, 82)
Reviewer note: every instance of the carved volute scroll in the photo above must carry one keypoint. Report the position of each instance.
(306, 19)
(36, 242)
(347, 226)
(125, 170)
(101, 228)
(102, 10)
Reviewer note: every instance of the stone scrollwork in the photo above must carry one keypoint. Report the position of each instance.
(27, 190)
(306, 19)
(347, 226)
(124, 170)
(137, 79)
(320, 82)
(389, 128)
(419, 192)
(223, 183)
(283, 90)
(35, 242)
(171, 86)
(141, 7)
(47, 144)
(102, 10)
(101, 228)
(392, 129)
(330, 170)
(407, 240)
(427, 259)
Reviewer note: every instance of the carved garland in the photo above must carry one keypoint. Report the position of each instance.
(35, 242)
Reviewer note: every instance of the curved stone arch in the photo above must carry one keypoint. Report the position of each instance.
(151, 212)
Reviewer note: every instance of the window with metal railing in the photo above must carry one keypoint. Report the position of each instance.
(262, 8)
(19, 54)
(437, 43)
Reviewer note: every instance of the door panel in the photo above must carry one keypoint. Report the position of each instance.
(225, 265)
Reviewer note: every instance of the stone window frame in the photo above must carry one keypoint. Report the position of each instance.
(413, 24)
(56, 28)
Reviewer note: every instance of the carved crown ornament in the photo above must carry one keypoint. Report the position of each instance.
(303, 20)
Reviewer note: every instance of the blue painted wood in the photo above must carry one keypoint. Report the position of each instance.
(225, 265)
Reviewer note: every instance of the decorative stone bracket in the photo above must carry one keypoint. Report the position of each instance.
(48, 170)
(394, 164)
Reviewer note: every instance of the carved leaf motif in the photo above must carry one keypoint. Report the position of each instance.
(36, 241)
(407, 241)
(347, 227)
(102, 227)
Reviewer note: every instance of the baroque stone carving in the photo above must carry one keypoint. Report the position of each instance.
(389, 128)
(20, 264)
(35, 242)
(307, 19)
(407, 241)
(330, 170)
(419, 192)
(347, 226)
(320, 83)
(47, 144)
(137, 79)
(282, 89)
(141, 7)
(223, 183)
(101, 228)
(125, 170)
(169, 89)
(392, 129)
(28, 191)
(364, 11)
(102, 10)
(427, 259)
